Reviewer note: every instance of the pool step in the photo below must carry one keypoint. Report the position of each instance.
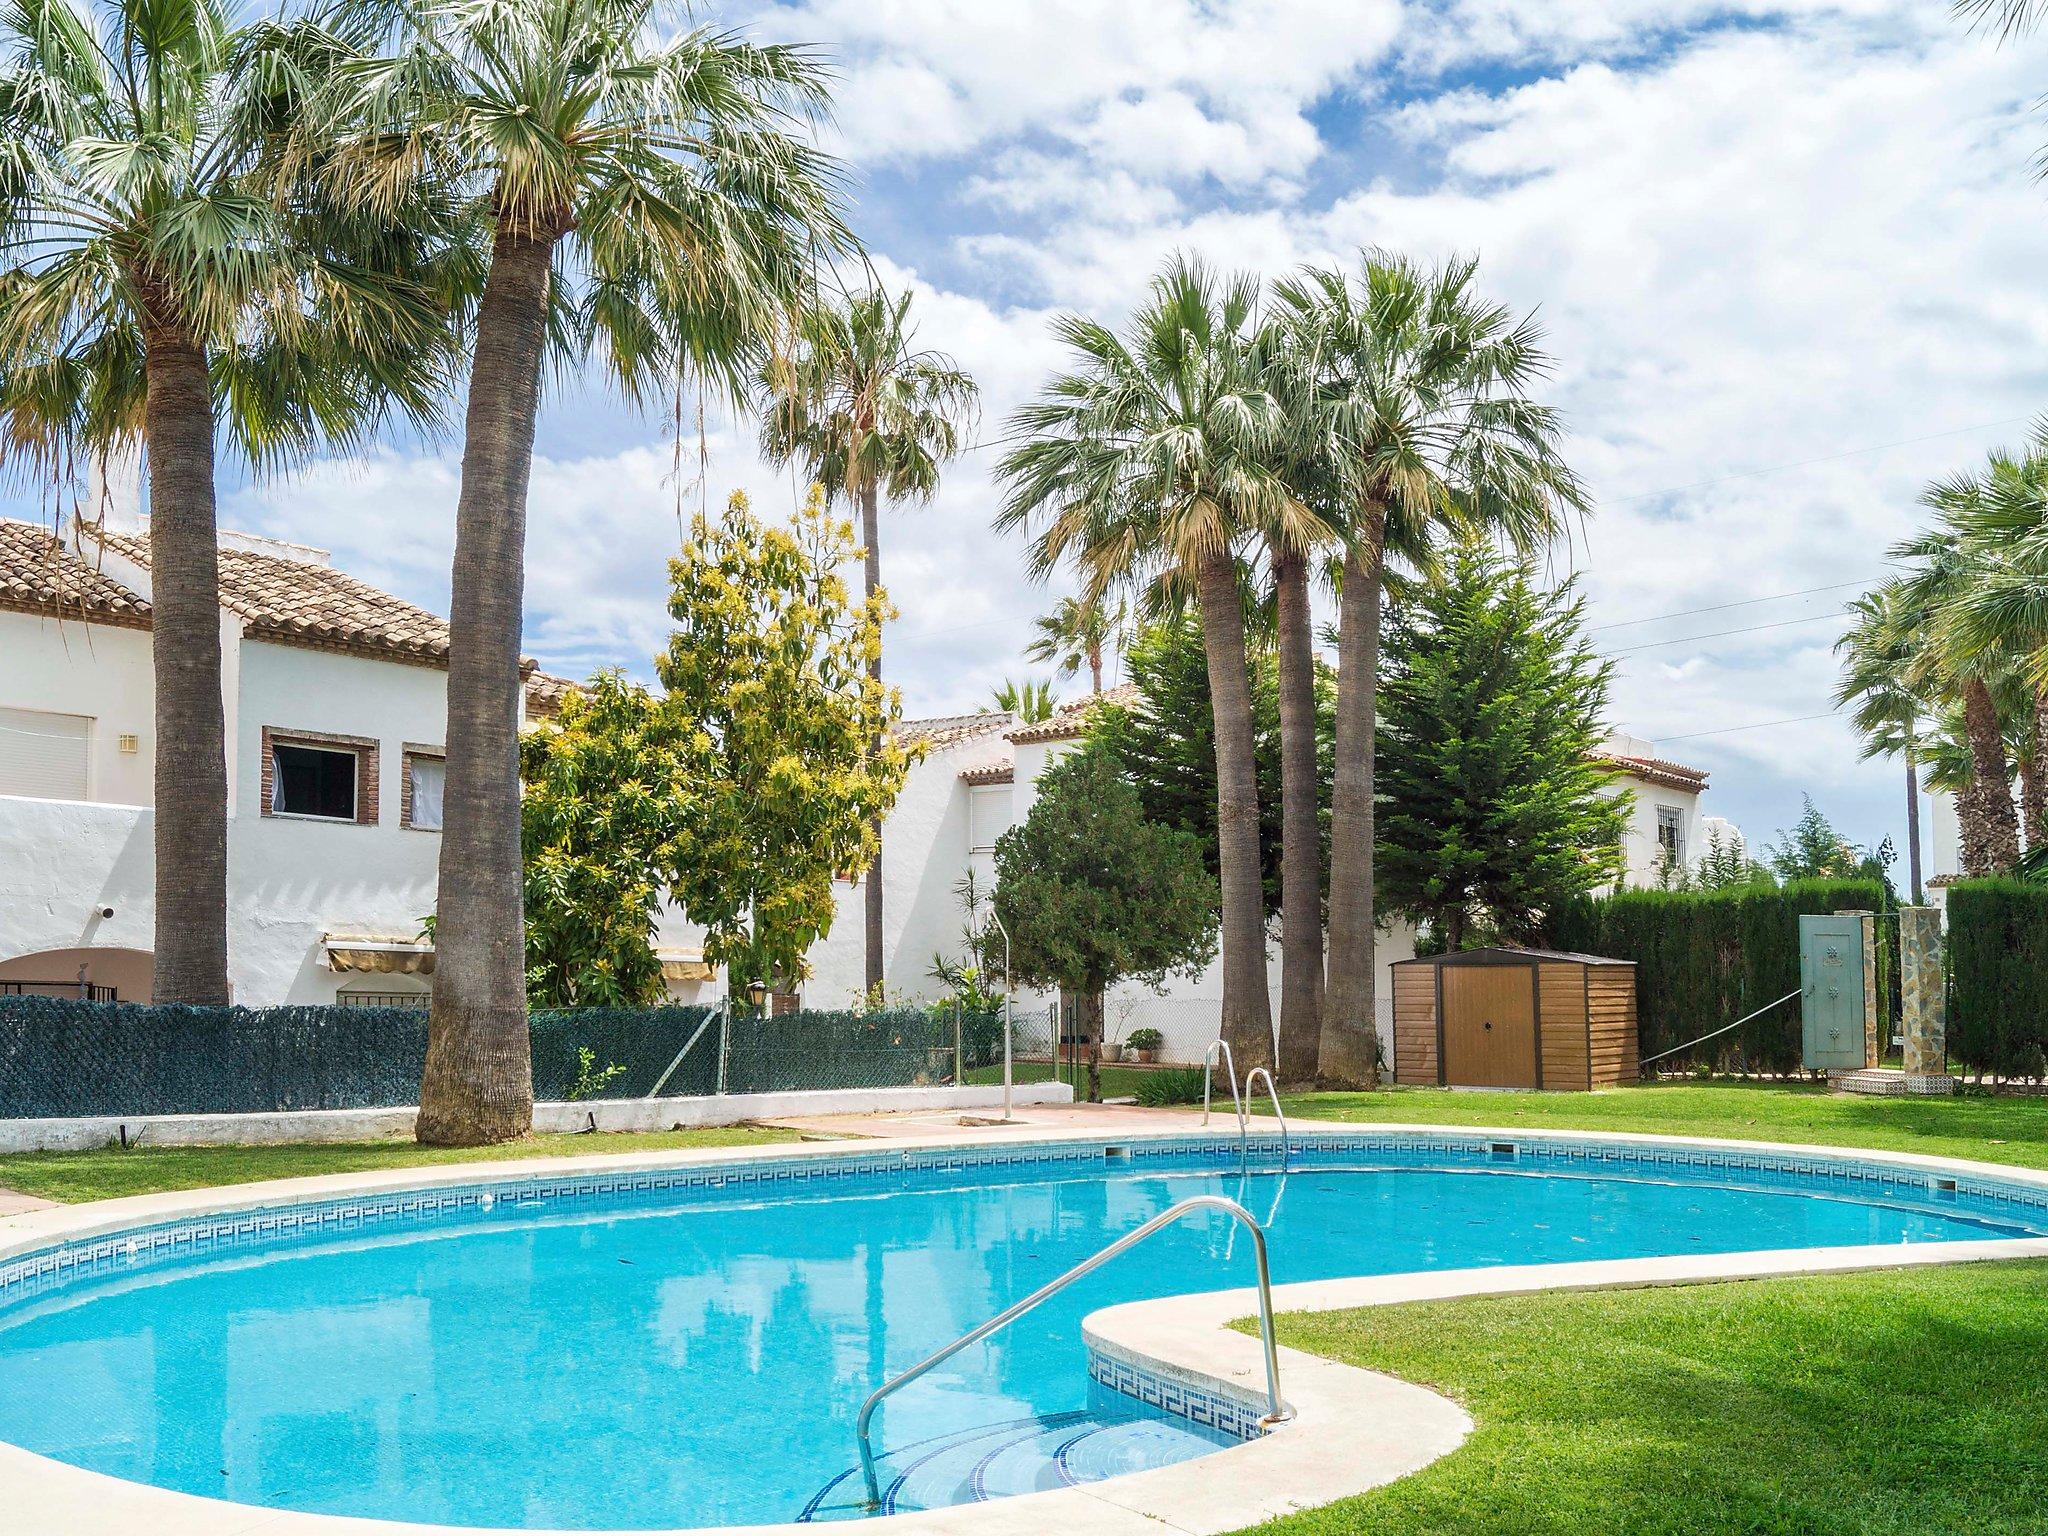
(1020, 1456)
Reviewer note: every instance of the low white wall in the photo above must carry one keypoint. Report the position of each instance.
(342, 1125)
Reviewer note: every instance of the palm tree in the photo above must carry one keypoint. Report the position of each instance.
(1031, 702)
(2008, 18)
(167, 271)
(1880, 653)
(1415, 411)
(1156, 457)
(1942, 568)
(652, 205)
(870, 415)
(1076, 633)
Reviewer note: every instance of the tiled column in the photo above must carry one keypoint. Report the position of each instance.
(1921, 992)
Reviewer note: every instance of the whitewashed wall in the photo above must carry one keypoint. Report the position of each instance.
(103, 673)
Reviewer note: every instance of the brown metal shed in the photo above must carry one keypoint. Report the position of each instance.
(1514, 1018)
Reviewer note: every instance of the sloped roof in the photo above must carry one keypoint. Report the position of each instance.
(1070, 720)
(40, 573)
(1656, 770)
(996, 771)
(943, 731)
(545, 693)
(295, 602)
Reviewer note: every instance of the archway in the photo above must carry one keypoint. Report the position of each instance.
(102, 974)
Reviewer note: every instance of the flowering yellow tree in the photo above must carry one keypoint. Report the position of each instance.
(793, 762)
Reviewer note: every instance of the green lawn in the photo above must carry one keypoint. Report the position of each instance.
(1118, 1082)
(146, 1170)
(2005, 1130)
(1911, 1402)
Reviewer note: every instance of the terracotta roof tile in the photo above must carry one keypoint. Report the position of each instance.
(295, 602)
(1070, 720)
(943, 731)
(1656, 770)
(545, 693)
(40, 573)
(996, 771)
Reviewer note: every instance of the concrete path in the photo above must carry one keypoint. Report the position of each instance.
(12, 1204)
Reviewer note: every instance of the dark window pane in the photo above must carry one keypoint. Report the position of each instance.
(312, 781)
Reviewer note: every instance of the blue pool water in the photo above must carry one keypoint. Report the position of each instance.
(618, 1355)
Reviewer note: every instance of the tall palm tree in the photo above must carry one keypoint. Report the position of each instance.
(1076, 634)
(168, 269)
(652, 204)
(1942, 567)
(1416, 409)
(870, 415)
(2008, 18)
(1157, 456)
(1880, 655)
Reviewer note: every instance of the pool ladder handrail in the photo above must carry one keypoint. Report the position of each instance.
(1229, 1077)
(1273, 1093)
(1277, 1411)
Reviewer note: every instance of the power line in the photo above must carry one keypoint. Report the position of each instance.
(1754, 725)
(1747, 602)
(1720, 634)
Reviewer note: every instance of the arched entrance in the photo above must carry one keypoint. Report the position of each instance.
(104, 975)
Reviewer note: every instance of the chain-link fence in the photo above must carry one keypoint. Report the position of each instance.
(61, 1057)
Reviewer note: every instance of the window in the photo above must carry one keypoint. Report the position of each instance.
(45, 756)
(426, 775)
(1671, 833)
(320, 776)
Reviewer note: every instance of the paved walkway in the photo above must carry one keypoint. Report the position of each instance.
(12, 1204)
(981, 1125)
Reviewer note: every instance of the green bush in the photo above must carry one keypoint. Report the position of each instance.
(1170, 1085)
(1705, 958)
(1998, 977)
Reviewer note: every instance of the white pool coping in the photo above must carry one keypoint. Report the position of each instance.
(1353, 1430)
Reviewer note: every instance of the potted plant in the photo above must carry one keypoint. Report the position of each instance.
(1144, 1043)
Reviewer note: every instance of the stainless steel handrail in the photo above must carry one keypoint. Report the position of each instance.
(1230, 1077)
(1272, 1092)
(1277, 1411)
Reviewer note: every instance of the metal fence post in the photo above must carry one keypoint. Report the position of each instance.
(1009, 1075)
(958, 1079)
(724, 1041)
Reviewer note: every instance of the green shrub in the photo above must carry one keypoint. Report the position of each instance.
(1705, 958)
(1170, 1085)
(1998, 977)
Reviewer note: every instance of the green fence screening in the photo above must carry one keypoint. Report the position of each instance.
(61, 1057)
(1998, 978)
(1705, 958)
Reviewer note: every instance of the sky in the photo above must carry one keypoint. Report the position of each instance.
(1791, 260)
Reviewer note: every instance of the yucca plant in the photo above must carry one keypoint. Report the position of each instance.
(654, 208)
(172, 273)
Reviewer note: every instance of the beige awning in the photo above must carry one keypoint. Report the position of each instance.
(380, 954)
(684, 965)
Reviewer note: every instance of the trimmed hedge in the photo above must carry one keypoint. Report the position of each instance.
(1705, 958)
(1998, 977)
(61, 1057)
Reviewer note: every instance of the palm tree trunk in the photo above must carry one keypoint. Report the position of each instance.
(871, 891)
(1095, 664)
(1350, 1050)
(2034, 775)
(1987, 811)
(1247, 1009)
(478, 1084)
(1301, 839)
(191, 792)
(1913, 827)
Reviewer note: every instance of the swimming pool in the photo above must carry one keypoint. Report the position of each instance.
(689, 1346)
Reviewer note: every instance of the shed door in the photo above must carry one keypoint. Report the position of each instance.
(1489, 1026)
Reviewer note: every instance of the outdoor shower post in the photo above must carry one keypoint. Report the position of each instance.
(1922, 999)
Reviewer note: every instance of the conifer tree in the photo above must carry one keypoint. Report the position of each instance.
(1496, 806)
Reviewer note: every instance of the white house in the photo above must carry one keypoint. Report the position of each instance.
(335, 697)
(1665, 820)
